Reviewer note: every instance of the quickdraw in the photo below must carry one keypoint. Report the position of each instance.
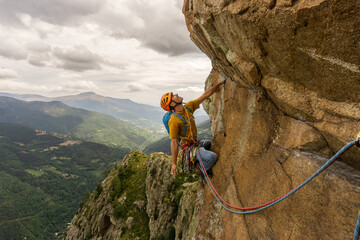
(187, 157)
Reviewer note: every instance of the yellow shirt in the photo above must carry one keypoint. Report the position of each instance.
(176, 125)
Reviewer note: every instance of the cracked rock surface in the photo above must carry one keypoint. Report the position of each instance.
(292, 102)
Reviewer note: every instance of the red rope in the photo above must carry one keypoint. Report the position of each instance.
(248, 208)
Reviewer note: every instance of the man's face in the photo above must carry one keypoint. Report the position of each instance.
(176, 99)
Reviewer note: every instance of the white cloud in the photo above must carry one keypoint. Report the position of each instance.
(60, 12)
(136, 87)
(78, 85)
(190, 89)
(8, 74)
(70, 75)
(12, 48)
(38, 46)
(61, 46)
(36, 25)
(158, 25)
(10, 85)
(77, 58)
(39, 59)
(17, 86)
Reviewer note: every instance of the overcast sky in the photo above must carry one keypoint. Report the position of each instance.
(136, 49)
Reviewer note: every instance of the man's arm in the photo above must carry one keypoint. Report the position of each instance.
(174, 152)
(210, 91)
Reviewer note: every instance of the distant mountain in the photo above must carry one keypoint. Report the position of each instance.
(139, 114)
(125, 109)
(27, 97)
(83, 124)
(43, 178)
(201, 116)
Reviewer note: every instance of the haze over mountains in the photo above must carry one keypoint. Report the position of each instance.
(125, 109)
(139, 114)
(86, 125)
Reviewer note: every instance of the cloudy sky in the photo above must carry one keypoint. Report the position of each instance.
(135, 49)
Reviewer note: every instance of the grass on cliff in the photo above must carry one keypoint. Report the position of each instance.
(129, 187)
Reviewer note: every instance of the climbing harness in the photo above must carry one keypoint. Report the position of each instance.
(187, 157)
(357, 229)
(248, 210)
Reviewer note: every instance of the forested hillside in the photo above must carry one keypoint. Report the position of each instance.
(44, 177)
(139, 114)
(142, 115)
(85, 125)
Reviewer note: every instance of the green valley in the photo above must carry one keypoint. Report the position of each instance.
(85, 125)
(43, 178)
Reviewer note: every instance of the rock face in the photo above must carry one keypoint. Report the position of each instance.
(172, 204)
(291, 103)
(139, 199)
(112, 211)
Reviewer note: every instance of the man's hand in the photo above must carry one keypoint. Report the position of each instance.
(211, 91)
(173, 170)
(222, 82)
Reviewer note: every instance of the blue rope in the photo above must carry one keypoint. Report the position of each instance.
(357, 228)
(350, 144)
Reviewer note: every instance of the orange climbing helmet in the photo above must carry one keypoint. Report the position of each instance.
(165, 101)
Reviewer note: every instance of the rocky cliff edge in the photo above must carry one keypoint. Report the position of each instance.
(291, 103)
(140, 199)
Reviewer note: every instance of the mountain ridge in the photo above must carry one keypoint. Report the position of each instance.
(87, 125)
(124, 109)
(142, 115)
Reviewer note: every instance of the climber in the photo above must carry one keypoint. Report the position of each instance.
(181, 119)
